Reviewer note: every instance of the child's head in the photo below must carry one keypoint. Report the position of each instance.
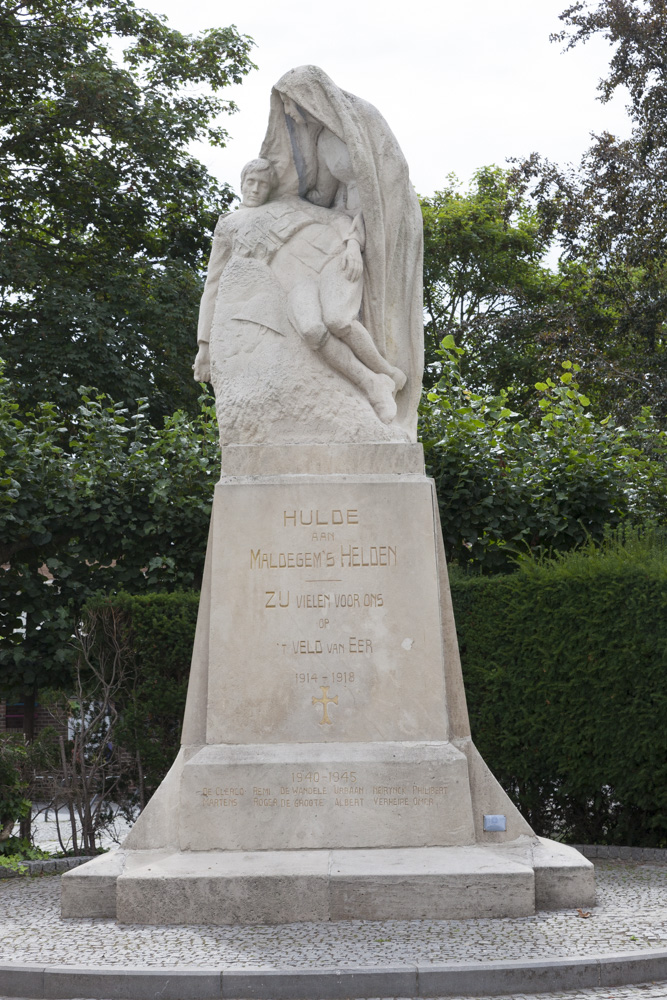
(258, 179)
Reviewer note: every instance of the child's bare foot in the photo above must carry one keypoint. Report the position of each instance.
(381, 389)
(399, 377)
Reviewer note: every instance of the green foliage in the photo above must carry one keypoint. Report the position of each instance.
(15, 851)
(105, 216)
(484, 276)
(564, 664)
(509, 484)
(96, 499)
(13, 863)
(20, 847)
(611, 312)
(13, 803)
(160, 631)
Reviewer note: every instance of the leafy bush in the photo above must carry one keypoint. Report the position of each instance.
(102, 500)
(543, 482)
(13, 802)
(564, 663)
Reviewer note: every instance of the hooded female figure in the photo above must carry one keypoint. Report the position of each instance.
(336, 150)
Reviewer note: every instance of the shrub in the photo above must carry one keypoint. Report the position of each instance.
(564, 664)
(13, 802)
(544, 482)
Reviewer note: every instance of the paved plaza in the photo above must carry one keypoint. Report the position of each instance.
(647, 991)
(629, 918)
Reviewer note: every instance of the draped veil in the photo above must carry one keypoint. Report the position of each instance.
(392, 303)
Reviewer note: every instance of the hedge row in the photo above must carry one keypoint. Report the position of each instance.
(565, 665)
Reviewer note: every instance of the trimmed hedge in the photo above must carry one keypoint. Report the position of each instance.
(565, 665)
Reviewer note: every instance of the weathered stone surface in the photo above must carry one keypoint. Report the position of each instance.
(438, 883)
(309, 795)
(225, 888)
(326, 770)
(322, 460)
(310, 325)
(563, 877)
(90, 890)
(283, 886)
(325, 584)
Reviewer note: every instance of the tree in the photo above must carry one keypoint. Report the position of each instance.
(93, 499)
(510, 484)
(611, 221)
(93, 767)
(485, 281)
(14, 805)
(105, 216)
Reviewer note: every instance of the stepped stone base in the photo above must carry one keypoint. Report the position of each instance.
(326, 770)
(273, 887)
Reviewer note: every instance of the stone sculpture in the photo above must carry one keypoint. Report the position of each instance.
(300, 306)
(326, 770)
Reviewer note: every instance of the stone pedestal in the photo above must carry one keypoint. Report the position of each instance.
(327, 770)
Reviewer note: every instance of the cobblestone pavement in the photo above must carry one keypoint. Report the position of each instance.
(631, 915)
(641, 991)
(647, 991)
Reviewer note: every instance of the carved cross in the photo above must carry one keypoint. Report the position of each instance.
(324, 701)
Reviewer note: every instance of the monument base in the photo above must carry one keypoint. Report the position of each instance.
(327, 770)
(275, 887)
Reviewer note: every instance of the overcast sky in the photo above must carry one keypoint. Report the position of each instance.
(462, 83)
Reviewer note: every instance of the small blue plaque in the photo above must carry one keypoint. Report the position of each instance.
(495, 824)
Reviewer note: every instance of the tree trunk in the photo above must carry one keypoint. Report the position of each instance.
(68, 785)
(29, 716)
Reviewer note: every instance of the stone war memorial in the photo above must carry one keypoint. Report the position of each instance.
(326, 770)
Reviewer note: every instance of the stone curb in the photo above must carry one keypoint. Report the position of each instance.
(46, 866)
(410, 980)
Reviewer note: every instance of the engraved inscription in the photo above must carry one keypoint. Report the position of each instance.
(276, 599)
(349, 557)
(291, 560)
(310, 601)
(313, 601)
(336, 676)
(310, 585)
(315, 647)
(308, 518)
(375, 555)
(338, 789)
(219, 797)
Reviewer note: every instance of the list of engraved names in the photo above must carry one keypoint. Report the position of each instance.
(319, 789)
